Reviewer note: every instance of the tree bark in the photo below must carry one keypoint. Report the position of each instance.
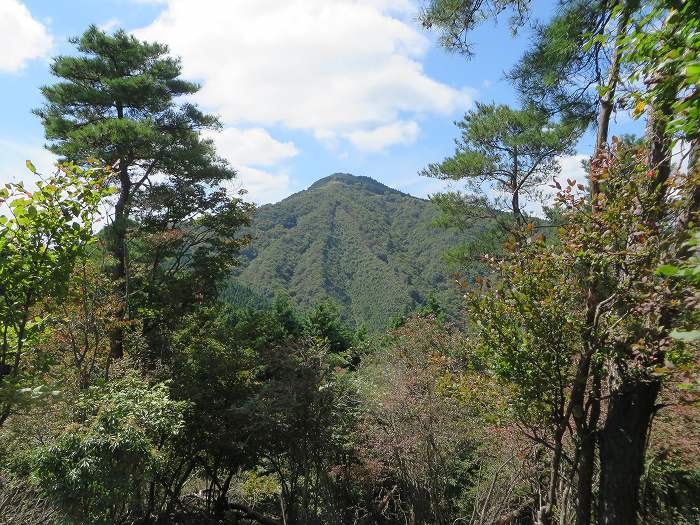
(253, 514)
(222, 499)
(608, 99)
(118, 248)
(544, 514)
(693, 207)
(587, 447)
(632, 400)
(587, 424)
(515, 199)
(623, 442)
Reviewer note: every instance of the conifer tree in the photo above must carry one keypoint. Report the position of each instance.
(512, 151)
(115, 101)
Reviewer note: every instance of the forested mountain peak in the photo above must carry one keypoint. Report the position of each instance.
(353, 241)
(356, 182)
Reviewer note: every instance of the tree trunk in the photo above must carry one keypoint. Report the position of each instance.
(623, 442)
(544, 513)
(517, 213)
(515, 198)
(254, 515)
(221, 503)
(586, 471)
(118, 249)
(587, 434)
(693, 207)
(586, 424)
(608, 99)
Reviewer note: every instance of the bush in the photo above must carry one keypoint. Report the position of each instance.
(100, 469)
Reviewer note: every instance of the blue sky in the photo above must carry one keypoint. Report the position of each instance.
(304, 88)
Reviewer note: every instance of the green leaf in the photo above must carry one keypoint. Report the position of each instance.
(602, 90)
(18, 203)
(692, 72)
(667, 270)
(30, 166)
(681, 335)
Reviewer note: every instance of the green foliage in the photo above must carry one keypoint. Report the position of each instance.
(42, 234)
(324, 323)
(454, 19)
(115, 102)
(100, 467)
(215, 367)
(564, 64)
(529, 327)
(174, 233)
(371, 250)
(305, 412)
(689, 271)
(501, 151)
(185, 242)
(264, 387)
(269, 408)
(670, 494)
(664, 50)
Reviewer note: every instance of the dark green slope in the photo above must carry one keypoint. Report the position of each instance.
(352, 240)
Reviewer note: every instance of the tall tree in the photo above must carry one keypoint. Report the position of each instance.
(662, 52)
(116, 102)
(511, 152)
(576, 69)
(572, 69)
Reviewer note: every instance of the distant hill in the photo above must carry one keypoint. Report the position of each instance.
(367, 247)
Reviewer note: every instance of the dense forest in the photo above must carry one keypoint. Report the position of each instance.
(353, 355)
(371, 251)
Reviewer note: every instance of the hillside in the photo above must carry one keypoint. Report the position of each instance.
(355, 241)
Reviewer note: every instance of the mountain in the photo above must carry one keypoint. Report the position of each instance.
(352, 240)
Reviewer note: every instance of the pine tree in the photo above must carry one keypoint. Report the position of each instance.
(116, 102)
(514, 151)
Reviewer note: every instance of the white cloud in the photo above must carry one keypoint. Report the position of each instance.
(327, 137)
(244, 148)
(13, 158)
(406, 6)
(252, 146)
(22, 38)
(110, 24)
(381, 137)
(261, 186)
(331, 67)
(571, 167)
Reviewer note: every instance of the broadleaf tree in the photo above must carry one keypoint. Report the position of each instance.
(42, 234)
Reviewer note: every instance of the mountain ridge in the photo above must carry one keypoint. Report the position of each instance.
(354, 241)
(362, 181)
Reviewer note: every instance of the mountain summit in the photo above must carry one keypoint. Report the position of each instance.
(352, 240)
(358, 182)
